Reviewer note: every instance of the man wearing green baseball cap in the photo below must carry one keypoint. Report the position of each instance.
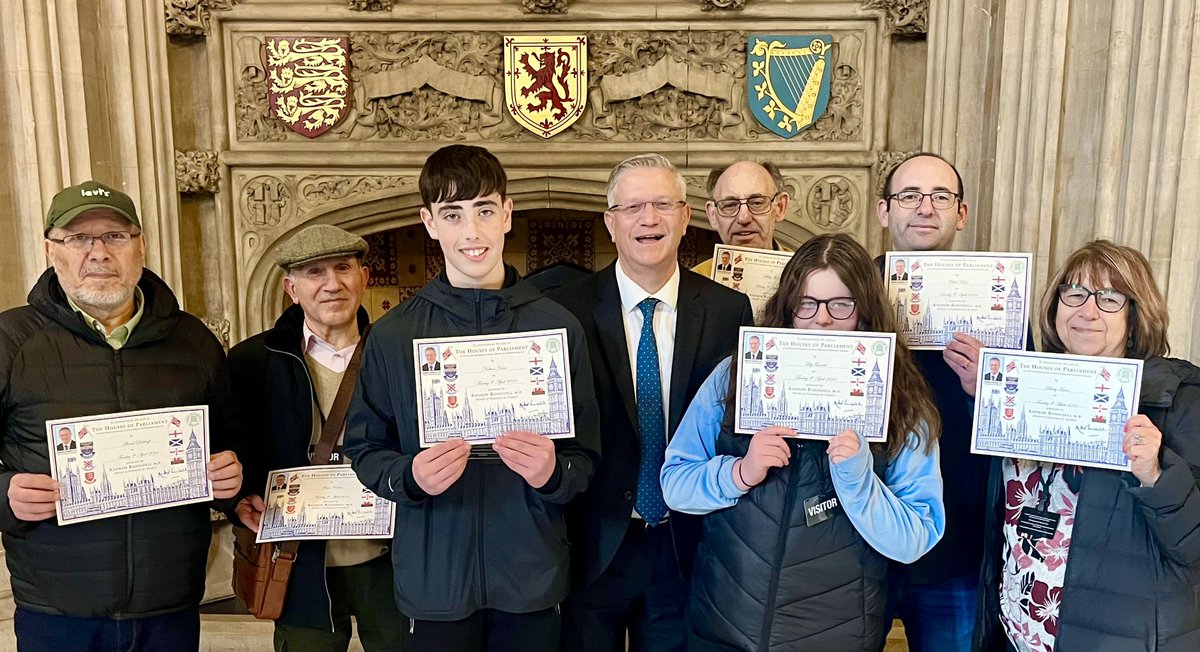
(102, 335)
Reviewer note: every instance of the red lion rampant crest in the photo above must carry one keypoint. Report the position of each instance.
(545, 81)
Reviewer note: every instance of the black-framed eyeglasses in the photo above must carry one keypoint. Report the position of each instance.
(1073, 295)
(839, 307)
(84, 241)
(940, 199)
(756, 204)
(662, 206)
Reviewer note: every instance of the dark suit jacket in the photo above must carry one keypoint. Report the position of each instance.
(437, 366)
(995, 376)
(706, 332)
(67, 447)
(900, 277)
(753, 355)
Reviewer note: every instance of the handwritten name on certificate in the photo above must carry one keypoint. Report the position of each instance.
(478, 387)
(323, 502)
(1055, 407)
(937, 294)
(753, 272)
(818, 383)
(128, 462)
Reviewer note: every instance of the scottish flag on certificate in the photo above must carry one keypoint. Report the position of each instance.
(1053, 407)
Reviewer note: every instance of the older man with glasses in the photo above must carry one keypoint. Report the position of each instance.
(102, 334)
(748, 200)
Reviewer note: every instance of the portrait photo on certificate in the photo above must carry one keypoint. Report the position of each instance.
(128, 462)
(1055, 407)
(816, 382)
(486, 385)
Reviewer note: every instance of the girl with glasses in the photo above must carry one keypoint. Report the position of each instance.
(766, 576)
(1122, 568)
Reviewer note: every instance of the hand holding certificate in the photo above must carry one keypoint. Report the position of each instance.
(753, 272)
(1056, 407)
(818, 383)
(937, 294)
(478, 387)
(114, 464)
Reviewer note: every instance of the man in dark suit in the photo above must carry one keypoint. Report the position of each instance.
(655, 332)
(431, 362)
(754, 353)
(68, 442)
(901, 274)
(993, 373)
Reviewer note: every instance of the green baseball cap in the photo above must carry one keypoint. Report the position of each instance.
(70, 202)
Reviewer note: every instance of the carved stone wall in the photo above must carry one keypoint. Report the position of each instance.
(676, 86)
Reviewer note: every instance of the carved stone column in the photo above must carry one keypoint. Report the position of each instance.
(1060, 145)
(103, 113)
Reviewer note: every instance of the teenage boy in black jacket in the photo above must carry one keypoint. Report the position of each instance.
(480, 551)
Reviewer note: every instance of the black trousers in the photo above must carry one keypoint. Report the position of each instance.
(641, 592)
(488, 630)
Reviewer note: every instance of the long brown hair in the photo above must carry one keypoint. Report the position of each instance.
(912, 401)
(1127, 271)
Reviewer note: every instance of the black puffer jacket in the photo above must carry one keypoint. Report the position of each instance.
(765, 580)
(490, 540)
(53, 366)
(1133, 568)
(272, 385)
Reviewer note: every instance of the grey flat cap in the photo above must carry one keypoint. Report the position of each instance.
(319, 242)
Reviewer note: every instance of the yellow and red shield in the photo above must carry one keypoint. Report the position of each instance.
(308, 81)
(545, 81)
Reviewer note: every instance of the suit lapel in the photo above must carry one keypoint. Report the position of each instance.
(610, 326)
(689, 326)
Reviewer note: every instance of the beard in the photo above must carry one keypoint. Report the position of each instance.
(110, 295)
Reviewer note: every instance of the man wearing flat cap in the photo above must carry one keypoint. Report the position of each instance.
(285, 380)
(101, 334)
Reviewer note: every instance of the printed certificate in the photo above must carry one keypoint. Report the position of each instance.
(937, 294)
(323, 502)
(818, 383)
(478, 387)
(753, 272)
(1055, 407)
(115, 464)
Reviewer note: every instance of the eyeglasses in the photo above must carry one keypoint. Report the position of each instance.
(1073, 295)
(756, 204)
(940, 199)
(662, 206)
(84, 241)
(839, 307)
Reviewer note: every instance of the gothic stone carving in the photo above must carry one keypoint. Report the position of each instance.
(544, 6)
(733, 5)
(196, 172)
(904, 17)
(370, 5)
(190, 18)
(831, 202)
(268, 202)
(220, 328)
(252, 112)
(317, 191)
(885, 162)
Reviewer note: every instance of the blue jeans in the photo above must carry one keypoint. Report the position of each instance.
(938, 617)
(39, 632)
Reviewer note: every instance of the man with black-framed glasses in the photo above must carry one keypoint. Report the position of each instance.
(747, 200)
(923, 208)
(103, 335)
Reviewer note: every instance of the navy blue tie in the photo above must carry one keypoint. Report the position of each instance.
(651, 421)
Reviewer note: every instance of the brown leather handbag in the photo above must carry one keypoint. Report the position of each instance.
(261, 570)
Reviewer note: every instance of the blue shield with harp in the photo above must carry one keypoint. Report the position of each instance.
(788, 84)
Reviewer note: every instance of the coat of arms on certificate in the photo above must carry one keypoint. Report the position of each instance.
(1055, 407)
(479, 387)
(545, 81)
(788, 80)
(816, 382)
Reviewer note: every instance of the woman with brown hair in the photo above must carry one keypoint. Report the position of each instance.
(767, 576)
(1122, 569)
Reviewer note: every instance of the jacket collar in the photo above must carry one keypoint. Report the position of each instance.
(159, 310)
(288, 333)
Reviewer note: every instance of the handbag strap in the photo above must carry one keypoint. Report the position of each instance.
(341, 405)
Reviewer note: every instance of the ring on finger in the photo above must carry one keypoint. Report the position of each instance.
(1138, 440)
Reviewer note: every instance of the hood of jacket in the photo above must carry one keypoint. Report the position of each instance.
(158, 312)
(464, 307)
